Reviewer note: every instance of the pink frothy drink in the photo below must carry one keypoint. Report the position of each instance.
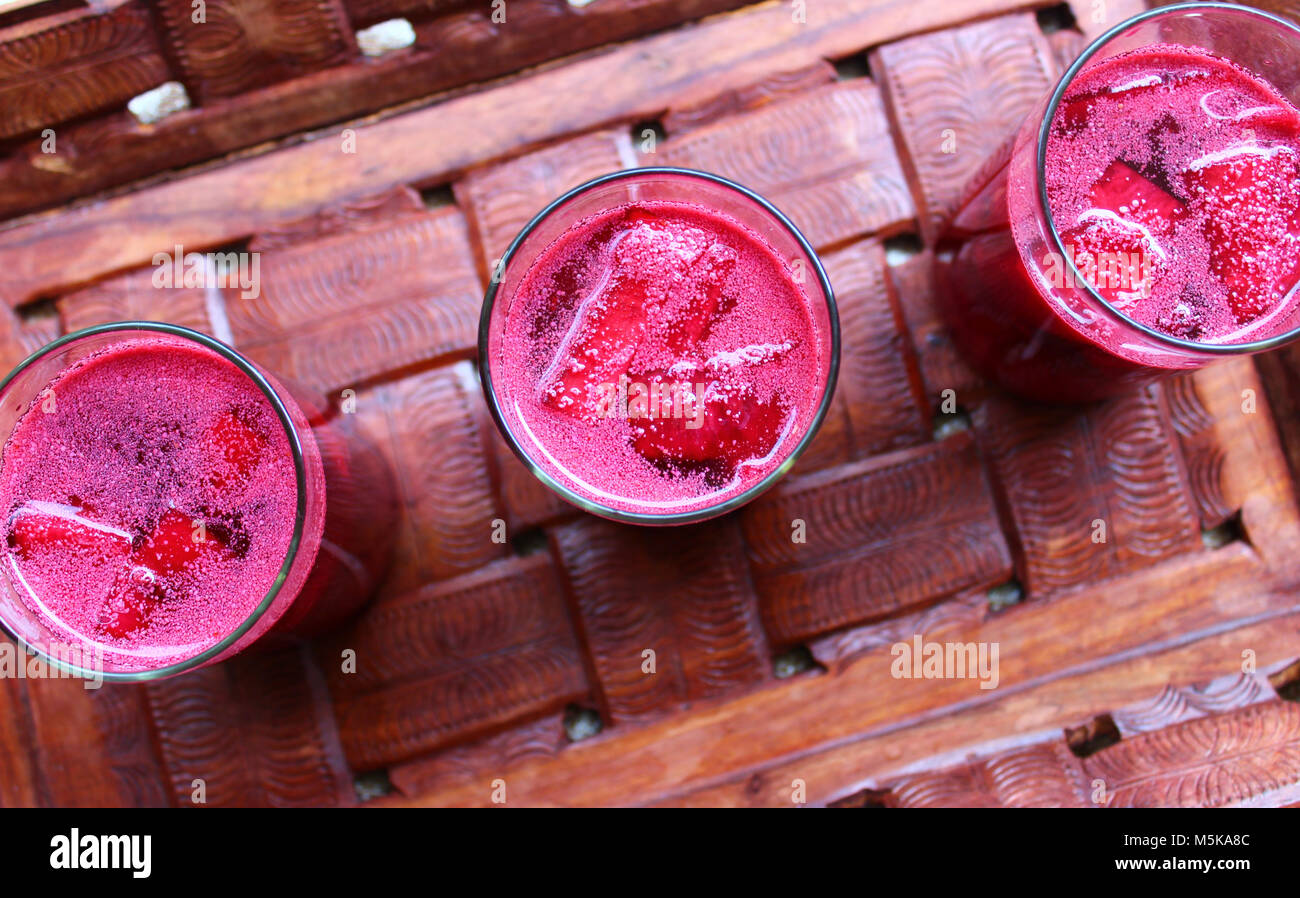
(165, 502)
(1147, 221)
(657, 357)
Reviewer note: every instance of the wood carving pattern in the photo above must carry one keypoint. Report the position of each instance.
(1150, 509)
(680, 592)
(430, 427)
(1280, 372)
(133, 297)
(1062, 470)
(12, 350)
(781, 86)
(879, 382)
(409, 719)
(1201, 450)
(254, 730)
(78, 66)
(1067, 44)
(1176, 704)
(962, 611)
(955, 96)
(1227, 759)
(501, 199)
(541, 738)
(825, 158)
(527, 502)
(1240, 746)
(246, 44)
(20, 774)
(882, 535)
(451, 659)
(942, 367)
(1038, 776)
(122, 719)
(358, 304)
(355, 215)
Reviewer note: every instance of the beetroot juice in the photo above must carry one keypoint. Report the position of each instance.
(1170, 230)
(660, 357)
(161, 506)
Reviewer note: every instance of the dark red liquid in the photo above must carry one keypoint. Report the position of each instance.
(660, 357)
(1173, 178)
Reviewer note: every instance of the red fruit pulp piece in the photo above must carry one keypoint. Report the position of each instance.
(1251, 201)
(1118, 259)
(690, 315)
(1133, 198)
(233, 448)
(177, 542)
(733, 427)
(132, 601)
(46, 527)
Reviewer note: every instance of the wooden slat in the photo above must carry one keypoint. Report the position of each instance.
(1043, 775)
(1092, 493)
(682, 594)
(773, 88)
(544, 737)
(1176, 704)
(256, 730)
(95, 747)
(1229, 759)
(1241, 756)
(877, 537)
(430, 428)
(942, 367)
(20, 781)
(956, 95)
(879, 382)
(526, 501)
(1095, 19)
(1202, 452)
(132, 296)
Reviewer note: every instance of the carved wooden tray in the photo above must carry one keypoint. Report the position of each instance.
(1155, 667)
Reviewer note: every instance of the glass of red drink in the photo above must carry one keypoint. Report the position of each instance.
(659, 345)
(1145, 219)
(168, 503)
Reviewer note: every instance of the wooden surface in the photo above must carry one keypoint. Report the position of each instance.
(1156, 667)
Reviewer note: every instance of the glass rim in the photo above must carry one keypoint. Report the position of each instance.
(637, 517)
(300, 474)
(1067, 78)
